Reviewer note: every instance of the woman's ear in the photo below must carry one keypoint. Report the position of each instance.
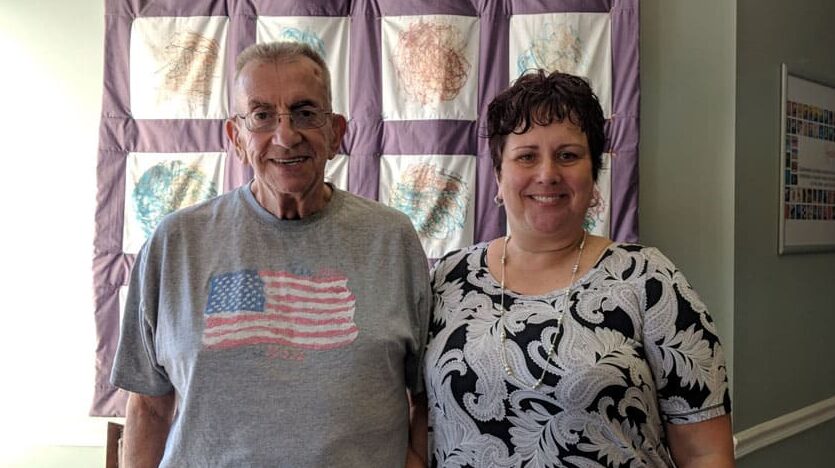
(498, 199)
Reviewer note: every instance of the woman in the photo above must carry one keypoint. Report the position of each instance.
(555, 347)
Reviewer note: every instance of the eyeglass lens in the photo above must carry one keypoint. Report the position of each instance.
(302, 118)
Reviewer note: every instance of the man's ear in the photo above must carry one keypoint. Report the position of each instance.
(338, 126)
(234, 136)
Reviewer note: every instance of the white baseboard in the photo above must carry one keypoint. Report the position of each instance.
(783, 427)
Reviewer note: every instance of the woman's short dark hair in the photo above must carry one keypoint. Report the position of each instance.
(540, 98)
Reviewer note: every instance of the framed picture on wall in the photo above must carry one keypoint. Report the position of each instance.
(807, 165)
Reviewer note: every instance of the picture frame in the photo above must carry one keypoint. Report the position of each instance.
(807, 165)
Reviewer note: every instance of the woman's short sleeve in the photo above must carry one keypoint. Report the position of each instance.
(682, 346)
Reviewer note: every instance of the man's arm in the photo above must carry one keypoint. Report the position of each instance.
(706, 444)
(416, 455)
(146, 429)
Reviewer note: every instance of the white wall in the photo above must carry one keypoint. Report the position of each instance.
(51, 89)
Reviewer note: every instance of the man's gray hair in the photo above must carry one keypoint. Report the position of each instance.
(283, 51)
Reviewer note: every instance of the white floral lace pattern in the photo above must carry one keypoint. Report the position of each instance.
(638, 349)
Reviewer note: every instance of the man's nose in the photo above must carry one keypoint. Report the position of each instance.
(286, 135)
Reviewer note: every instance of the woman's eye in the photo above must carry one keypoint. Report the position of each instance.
(567, 156)
(525, 157)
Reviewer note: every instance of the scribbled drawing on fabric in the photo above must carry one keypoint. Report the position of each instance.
(595, 215)
(300, 309)
(189, 61)
(556, 47)
(305, 36)
(597, 220)
(430, 61)
(434, 198)
(168, 186)
(176, 67)
(429, 67)
(570, 42)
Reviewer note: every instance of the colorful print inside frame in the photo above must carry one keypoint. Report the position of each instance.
(413, 77)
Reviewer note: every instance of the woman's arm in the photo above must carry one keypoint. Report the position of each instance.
(146, 429)
(703, 444)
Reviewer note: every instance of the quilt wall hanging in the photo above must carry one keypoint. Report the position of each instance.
(413, 78)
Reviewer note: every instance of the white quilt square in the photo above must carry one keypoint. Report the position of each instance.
(329, 36)
(159, 183)
(176, 67)
(336, 171)
(123, 300)
(430, 67)
(599, 216)
(575, 43)
(437, 193)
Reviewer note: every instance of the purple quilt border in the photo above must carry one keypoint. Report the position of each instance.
(369, 136)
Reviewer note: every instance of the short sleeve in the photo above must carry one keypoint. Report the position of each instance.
(420, 295)
(136, 367)
(682, 346)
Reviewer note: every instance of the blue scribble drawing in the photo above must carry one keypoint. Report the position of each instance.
(305, 37)
(596, 213)
(433, 198)
(166, 187)
(556, 47)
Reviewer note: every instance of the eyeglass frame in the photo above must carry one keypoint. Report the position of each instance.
(278, 115)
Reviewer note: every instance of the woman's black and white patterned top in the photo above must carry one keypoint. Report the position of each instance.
(638, 349)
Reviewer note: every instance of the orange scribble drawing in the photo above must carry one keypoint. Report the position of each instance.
(189, 63)
(430, 62)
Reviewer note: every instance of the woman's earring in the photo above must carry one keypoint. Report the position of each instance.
(498, 200)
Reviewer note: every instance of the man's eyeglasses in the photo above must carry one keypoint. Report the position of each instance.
(265, 121)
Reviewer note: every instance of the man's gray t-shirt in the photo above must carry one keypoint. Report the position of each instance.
(290, 343)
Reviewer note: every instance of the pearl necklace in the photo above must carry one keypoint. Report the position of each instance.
(503, 335)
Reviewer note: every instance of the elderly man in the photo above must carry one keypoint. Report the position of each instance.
(281, 324)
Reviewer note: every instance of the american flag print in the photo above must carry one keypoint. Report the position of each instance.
(248, 307)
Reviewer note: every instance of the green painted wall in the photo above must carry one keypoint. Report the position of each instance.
(687, 145)
(709, 187)
(784, 311)
(809, 449)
